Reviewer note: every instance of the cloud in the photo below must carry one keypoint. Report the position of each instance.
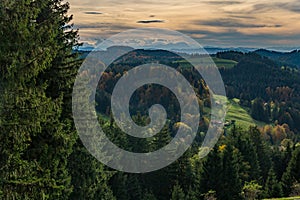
(103, 26)
(233, 23)
(236, 38)
(228, 34)
(250, 9)
(241, 16)
(211, 34)
(290, 6)
(150, 21)
(258, 8)
(102, 30)
(230, 21)
(230, 2)
(93, 13)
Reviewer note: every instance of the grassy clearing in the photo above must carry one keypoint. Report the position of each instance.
(224, 63)
(240, 115)
(286, 198)
(220, 63)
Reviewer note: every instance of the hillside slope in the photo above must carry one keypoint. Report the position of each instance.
(292, 59)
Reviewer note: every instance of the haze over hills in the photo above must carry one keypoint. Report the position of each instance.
(212, 49)
(186, 49)
(283, 56)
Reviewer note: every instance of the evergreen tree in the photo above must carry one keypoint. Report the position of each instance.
(281, 158)
(134, 187)
(231, 183)
(149, 196)
(191, 194)
(177, 193)
(273, 187)
(36, 69)
(286, 118)
(89, 178)
(184, 171)
(248, 161)
(292, 174)
(161, 181)
(258, 112)
(263, 153)
(211, 175)
(118, 184)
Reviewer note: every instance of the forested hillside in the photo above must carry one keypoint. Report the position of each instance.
(42, 157)
(246, 162)
(291, 59)
(272, 92)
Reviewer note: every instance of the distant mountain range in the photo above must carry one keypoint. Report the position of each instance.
(291, 59)
(178, 47)
(186, 49)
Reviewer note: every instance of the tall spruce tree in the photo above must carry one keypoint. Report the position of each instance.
(231, 183)
(177, 193)
(37, 70)
(273, 187)
(248, 161)
(89, 176)
(211, 174)
(292, 174)
(263, 153)
(161, 180)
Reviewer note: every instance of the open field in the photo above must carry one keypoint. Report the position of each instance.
(240, 115)
(220, 63)
(286, 198)
(224, 63)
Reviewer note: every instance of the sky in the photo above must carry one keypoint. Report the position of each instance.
(220, 23)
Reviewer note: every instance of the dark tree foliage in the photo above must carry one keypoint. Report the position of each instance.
(292, 174)
(37, 67)
(258, 111)
(273, 186)
(253, 74)
(177, 193)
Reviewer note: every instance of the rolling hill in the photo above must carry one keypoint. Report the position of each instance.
(292, 59)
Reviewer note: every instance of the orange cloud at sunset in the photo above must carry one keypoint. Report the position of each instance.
(222, 23)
